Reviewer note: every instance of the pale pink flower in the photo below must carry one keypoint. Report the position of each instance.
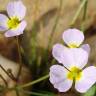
(73, 60)
(14, 24)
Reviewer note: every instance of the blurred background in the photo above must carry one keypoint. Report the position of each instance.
(46, 21)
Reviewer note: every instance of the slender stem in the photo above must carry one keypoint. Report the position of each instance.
(35, 81)
(20, 58)
(7, 73)
(17, 92)
(55, 25)
(85, 10)
(4, 80)
(36, 9)
(84, 16)
(11, 74)
(33, 93)
(78, 12)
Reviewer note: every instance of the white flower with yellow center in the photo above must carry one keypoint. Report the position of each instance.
(73, 60)
(14, 24)
(73, 38)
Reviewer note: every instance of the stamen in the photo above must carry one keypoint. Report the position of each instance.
(73, 45)
(13, 23)
(75, 74)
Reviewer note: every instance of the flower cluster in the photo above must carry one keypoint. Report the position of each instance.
(74, 57)
(13, 24)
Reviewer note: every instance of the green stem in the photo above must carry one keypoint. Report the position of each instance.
(17, 92)
(20, 58)
(55, 25)
(78, 12)
(84, 16)
(7, 73)
(85, 10)
(34, 82)
(4, 80)
(33, 93)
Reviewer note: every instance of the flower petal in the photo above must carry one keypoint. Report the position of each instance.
(87, 80)
(17, 31)
(63, 55)
(80, 57)
(70, 57)
(3, 22)
(16, 9)
(58, 77)
(73, 37)
(86, 47)
(57, 52)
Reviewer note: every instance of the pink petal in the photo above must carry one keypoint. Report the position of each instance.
(58, 77)
(87, 80)
(3, 22)
(16, 9)
(80, 57)
(73, 36)
(63, 55)
(70, 57)
(15, 32)
(86, 47)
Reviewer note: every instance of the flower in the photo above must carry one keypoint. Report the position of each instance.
(14, 24)
(73, 60)
(73, 37)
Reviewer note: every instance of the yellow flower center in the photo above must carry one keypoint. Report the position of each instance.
(13, 22)
(74, 74)
(73, 45)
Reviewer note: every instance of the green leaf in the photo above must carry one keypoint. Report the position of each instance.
(91, 91)
(38, 93)
(48, 93)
